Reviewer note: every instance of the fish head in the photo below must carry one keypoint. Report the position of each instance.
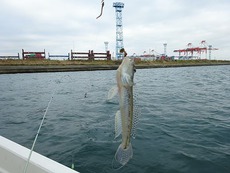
(127, 70)
(128, 66)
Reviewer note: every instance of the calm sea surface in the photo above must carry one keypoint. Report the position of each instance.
(184, 125)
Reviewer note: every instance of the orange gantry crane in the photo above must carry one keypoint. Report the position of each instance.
(190, 50)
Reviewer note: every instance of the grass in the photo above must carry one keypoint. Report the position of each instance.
(34, 62)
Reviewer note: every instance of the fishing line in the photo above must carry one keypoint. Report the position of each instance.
(39, 129)
(36, 137)
(72, 165)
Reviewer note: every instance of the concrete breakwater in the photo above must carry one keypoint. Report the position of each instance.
(54, 68)
(7, 69)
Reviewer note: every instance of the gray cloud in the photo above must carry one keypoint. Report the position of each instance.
(59, 26)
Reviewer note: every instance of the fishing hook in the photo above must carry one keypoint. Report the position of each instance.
(102, 7)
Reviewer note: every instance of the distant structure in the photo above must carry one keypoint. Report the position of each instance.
(56, 56)
(10, 56)
(165, 49)
(190, 50)
(90, 55)
(210, 48)
(33, 55)
(106, 45)
(119, 28)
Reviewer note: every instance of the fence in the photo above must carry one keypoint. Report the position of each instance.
(33, 55)
(90, 55)
(10, 57)
(58, 56)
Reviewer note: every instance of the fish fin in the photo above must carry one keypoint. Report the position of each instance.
(126, 79)
(134, 124)
(136, 114)
(112, 92)
(118, 125)
(124, 155)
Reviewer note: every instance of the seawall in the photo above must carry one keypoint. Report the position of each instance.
(8, 69)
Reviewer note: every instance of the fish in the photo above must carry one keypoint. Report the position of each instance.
(126, 117)
(102, 6)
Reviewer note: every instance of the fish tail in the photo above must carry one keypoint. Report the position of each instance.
(123, 155)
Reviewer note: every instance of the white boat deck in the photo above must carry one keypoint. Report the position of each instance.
(13, 158)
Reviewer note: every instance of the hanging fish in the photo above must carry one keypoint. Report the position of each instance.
(127, 117)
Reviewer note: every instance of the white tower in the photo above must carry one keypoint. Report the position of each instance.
(106, 45)
(165, 49)
(119, 29)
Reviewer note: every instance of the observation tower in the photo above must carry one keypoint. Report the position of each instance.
(119, 28)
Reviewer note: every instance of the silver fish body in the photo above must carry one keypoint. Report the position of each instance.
(125, 116)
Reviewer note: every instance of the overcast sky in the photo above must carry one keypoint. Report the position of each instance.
(61, 25)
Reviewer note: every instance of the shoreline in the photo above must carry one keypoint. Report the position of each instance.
(13, 69)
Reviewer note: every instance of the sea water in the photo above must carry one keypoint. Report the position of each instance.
(184, 125)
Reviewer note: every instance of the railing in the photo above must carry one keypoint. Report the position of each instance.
(58, 56)
(33, 55)
(10, 57)
(90, 55)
